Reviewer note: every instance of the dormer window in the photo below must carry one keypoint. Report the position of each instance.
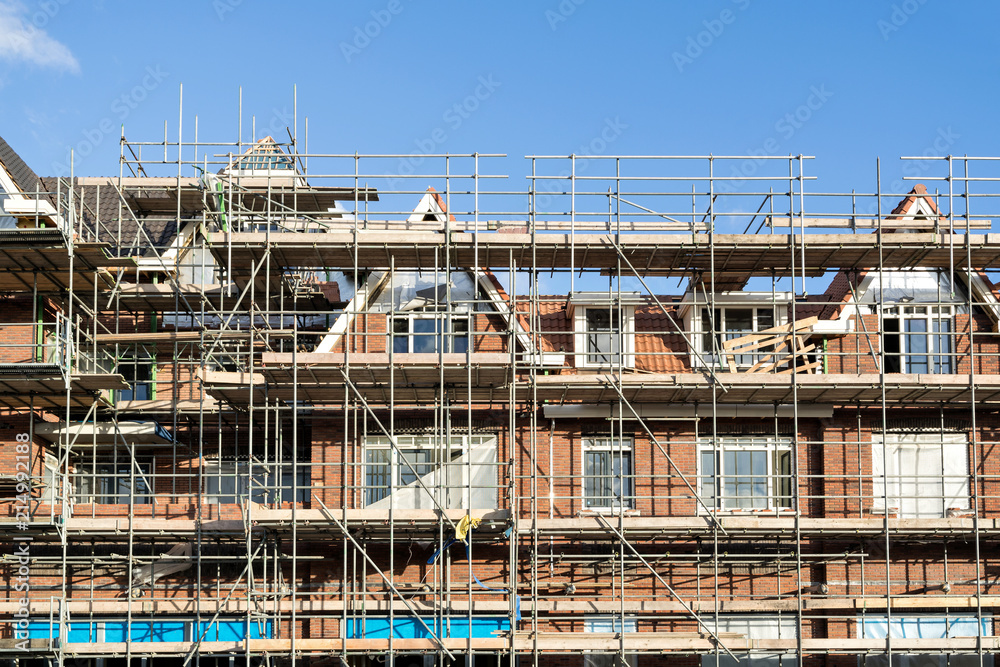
(918, 309)
(729, 316)
(604, 331)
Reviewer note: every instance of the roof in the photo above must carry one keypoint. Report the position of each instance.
(24, 178)
(264, 154)
(100, 201)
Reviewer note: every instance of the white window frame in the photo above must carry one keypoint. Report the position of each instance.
(253, 481)
(939, 346)
(447, 322)
(399, 476)
(107, 482)
(913, 495)
(593, 623)
(625, 337)
(615, 447)
(712, 485)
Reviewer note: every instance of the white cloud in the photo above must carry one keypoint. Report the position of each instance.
(22, 38)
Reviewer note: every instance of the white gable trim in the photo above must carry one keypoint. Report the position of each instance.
(982, 295)
(428, 205)
(362, 298)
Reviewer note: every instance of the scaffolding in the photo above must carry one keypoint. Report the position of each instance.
(278, 406)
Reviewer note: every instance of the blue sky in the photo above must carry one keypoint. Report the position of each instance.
(844, 81)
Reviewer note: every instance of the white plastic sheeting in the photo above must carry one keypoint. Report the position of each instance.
(922, 286)
(468, 481)
(419, 289)
(178, 559)
(754, 626)
(928, 473)
(925, 627)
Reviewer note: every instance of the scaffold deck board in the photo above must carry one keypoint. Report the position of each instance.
(746, 388)
(49, 391)
(555, 642)
(763, 525)
(565, 606)
(675, 254)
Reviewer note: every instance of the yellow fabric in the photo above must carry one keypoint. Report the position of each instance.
(465, 524)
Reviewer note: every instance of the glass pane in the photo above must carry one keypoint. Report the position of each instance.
(377, 473)
(426, 333)
(401, 334)
(460, 336)
(739, 322)
(729, 480)
(597, 488)
(765, 318)
(420, 461)
(621, 480)
(942, 344)
(783, 478)
(708, 480)
(916, 346)
(602, 336)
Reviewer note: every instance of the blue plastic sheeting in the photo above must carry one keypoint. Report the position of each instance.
(223, 631)
(407, 627)
(923, 627)
(150, 631)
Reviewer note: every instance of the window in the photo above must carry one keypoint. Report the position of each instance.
(137, 365)
(719, 325)
(430, 332)
(608, 481)
(234, 482)
(925, 627)
(754, 626)
(752, 473)
(110, 483)
(604, 335)
(918, 339)
(594, 624)
(927, 473)
(461, 472)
